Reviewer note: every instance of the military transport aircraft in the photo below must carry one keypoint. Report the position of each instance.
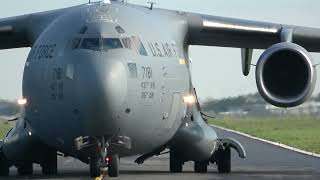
(110, 79)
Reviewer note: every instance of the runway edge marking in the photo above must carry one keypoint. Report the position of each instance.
(269, 142)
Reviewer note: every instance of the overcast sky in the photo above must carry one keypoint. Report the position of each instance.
(216, 71)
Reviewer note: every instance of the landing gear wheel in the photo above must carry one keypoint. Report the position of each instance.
(25, 170)
(200, 167)
(49, 167)
(4, 165)
(95, 164)
(224, 161)
(113, 166)
(175, 163)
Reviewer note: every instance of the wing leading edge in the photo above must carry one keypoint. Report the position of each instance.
(14, 32)
(229, 32)
(23, 31)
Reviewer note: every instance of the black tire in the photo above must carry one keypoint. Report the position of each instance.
(224, 161)
(95, 164)
(25, 170)
(113, 166)
(200, 167)
(4, 165)
(50, 167)
(175, 163)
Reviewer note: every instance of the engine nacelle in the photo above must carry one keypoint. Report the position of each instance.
(285, 75)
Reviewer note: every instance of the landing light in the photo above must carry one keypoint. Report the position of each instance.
(22, 101)
(189, 99)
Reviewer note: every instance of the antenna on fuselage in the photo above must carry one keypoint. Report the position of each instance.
(151, 4)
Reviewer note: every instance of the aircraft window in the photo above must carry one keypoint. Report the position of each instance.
(120, 30)
(139, 45)
(133, 70)
(127, 42)
(90, 43)
(75, 43)
(111, 43)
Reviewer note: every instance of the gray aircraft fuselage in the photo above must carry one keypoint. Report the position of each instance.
(76, 91)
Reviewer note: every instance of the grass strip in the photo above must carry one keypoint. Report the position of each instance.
(4, 128)
(298, 132)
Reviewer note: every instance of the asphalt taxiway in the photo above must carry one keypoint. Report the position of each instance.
(264, 161)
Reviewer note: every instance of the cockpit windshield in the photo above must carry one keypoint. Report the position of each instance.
(91, 44)
(96, 43)
(111, 43)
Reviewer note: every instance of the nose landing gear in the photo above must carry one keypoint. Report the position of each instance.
(95, 165)
(99, 164)
(100, 160)
(101, 157)
(113, 165)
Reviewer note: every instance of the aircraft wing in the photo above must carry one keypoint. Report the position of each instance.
(285, 72)
(14, 32)
(23, 31)
(229, 32)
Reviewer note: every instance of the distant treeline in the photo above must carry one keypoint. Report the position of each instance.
(239, 102)
(8, 108)
(251, 103)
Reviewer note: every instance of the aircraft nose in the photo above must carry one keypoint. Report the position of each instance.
(101, 93)
(113, 86)
(114, 82)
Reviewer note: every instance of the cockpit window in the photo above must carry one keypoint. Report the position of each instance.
(120, 30)
(91, 44)
(96, 43)
(111, 43)
(127, 42)
(139, 46)
(75, 43)
(134, 43)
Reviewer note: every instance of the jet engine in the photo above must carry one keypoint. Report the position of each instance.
(285, 75)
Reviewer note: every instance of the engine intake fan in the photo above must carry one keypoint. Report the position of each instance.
(285, 75)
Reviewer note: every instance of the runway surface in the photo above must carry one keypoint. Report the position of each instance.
(264, 161)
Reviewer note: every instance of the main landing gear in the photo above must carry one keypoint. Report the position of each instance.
(49, 166)
(201, 167)
(222, 157)
(223, 160)
(175, 163)
(4, 165)
(25, 169)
